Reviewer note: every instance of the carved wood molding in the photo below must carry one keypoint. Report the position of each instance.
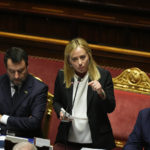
(49, 100)
(120, 143)
(133, 80)
(49, 104)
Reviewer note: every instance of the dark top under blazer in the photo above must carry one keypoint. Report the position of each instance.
(140, 136)
(27, 112)
(97, 109)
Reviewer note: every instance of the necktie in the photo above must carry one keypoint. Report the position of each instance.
(15, 94)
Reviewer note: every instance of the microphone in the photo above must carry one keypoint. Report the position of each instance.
(66, 114)
(79, 79)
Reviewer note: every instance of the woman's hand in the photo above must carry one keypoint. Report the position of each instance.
(96, 86)
(64, 116)
(61, 115)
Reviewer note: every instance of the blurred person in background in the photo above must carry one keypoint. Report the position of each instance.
(139, 139)
(24, 146)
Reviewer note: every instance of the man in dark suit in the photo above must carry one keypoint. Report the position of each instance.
(22, 97)
(140, 136)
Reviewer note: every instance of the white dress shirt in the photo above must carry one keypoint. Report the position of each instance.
(80, 131)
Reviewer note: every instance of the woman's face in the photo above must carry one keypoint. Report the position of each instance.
(79, 60)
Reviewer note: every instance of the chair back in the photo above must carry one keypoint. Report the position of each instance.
(132, 93)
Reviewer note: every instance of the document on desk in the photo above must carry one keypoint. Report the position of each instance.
(86, 148)
(45, 143)
(41, 142)
(15, 139)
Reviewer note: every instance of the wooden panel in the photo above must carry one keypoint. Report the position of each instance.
(115, 24)
(48, 27)
(54, 48)
(134, 4)
(110, 26)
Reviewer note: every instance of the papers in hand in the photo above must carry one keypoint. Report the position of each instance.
(68, 117)
(80, 118)
(86, 148)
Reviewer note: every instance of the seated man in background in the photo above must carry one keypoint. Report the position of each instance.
(23, 98)
(24, 146)
(140, 136)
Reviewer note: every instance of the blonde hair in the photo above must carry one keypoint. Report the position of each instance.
(68, 69)
(24, 146)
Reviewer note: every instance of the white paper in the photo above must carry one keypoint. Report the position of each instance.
(15, 139)
(80, 118)
(86, 148)
(42, 142)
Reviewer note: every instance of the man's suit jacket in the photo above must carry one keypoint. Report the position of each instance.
(97, 109)
(26, 113)
(140, 136)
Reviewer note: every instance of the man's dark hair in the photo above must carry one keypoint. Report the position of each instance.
(16, 54)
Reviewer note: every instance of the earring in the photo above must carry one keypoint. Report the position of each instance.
(71, 65)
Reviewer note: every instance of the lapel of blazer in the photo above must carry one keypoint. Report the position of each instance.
(69, 92)
(89, 95)
(23, 93)
(7, 92)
